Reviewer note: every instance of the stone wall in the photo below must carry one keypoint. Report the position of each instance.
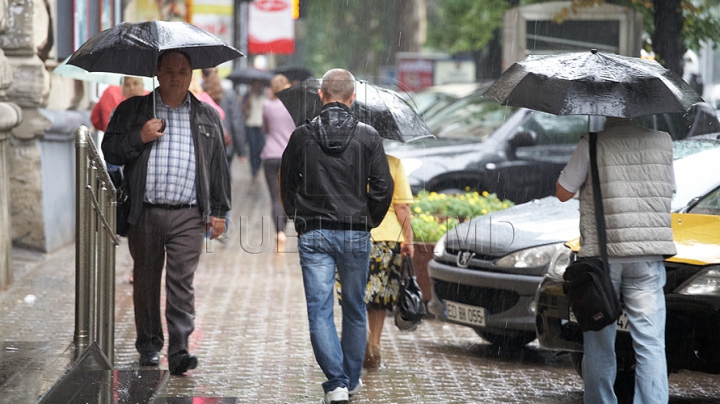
(28, 31)
(26, 194)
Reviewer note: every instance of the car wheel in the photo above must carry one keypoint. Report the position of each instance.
(624, 381)
(512, 341)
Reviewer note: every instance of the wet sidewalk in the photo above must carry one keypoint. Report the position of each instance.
(252, 339)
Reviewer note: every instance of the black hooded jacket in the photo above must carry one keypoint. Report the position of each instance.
(334, 174)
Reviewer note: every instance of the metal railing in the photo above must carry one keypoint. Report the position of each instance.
(95, 244)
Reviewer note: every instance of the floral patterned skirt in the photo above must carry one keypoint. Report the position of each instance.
(384, 276)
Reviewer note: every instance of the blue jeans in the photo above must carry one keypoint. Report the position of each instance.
(321, 251)
(641, 287)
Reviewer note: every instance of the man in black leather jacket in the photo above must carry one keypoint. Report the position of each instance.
(176, 171)
(336, 185)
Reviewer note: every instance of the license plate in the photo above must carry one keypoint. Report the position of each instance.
(464, 313)
(623, 324)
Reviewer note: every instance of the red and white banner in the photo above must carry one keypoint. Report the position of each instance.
(271, 28)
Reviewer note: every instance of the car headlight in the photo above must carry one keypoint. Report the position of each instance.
(439, 249)
(559, 263)
(707, 282)
(530, 257)
(410, 165)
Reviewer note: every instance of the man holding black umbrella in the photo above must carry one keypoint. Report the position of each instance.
(176, 171)
(637, 183)
(336, 185)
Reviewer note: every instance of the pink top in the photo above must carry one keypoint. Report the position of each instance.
(278, 125)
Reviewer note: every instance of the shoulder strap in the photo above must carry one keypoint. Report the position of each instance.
(597, 198)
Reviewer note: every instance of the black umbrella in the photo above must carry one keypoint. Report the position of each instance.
(249, 74)
(378, 107)
(133, 48)
(294, 73)
(593, 83)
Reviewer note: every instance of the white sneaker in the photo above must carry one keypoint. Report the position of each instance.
(337, 396)
(356, 389)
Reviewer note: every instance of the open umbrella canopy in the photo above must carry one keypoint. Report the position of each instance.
(74, 72)
(378, 107)
(133, 48)
(593, 83)
(294, 73)
(249, 74)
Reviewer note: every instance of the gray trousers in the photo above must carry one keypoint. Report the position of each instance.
(175, 236)
(272, 169)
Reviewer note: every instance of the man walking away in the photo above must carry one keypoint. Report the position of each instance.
(637, 182)
(336, 185)
(176, 170)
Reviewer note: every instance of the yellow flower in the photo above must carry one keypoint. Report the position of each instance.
(484, 212)
(485, 193)
(467, 188)
(417, 209)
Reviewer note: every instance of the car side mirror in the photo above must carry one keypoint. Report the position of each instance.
(521, 139)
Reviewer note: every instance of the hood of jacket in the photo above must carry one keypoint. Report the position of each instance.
(334, 128)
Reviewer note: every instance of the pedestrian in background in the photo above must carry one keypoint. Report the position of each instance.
(112, 97)
(177, 175)
(639, 236)
(336, 185)
(391, 242)
(103, 110)
(278, 125)
(228, 101)
(252, 110)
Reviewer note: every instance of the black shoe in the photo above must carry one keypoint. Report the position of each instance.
(181, 362)
(150, 359)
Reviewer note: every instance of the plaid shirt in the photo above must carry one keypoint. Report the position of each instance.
(171, 169)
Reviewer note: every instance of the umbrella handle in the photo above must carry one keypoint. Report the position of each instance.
(154, 109)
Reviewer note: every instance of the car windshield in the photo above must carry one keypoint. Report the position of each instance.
(708, 205)
(552, 129)
(473, 117)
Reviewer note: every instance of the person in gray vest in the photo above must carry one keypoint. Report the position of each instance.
(637, 183)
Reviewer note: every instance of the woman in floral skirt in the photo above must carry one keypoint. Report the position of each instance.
(391, 241)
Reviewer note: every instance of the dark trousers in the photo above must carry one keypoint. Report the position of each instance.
(175, 236)
(256, 142)
(272, 169)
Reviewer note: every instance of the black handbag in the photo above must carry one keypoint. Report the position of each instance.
(122, 196)
(587, 285)
(410, 303)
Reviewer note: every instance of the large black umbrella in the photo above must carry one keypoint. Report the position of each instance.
(133, 48)
(593, 83)
(294, 73)
(378, 107)
(249, 74)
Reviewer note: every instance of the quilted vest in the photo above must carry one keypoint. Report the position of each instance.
(635, 167)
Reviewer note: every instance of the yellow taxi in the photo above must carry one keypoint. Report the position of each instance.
(692, 292)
